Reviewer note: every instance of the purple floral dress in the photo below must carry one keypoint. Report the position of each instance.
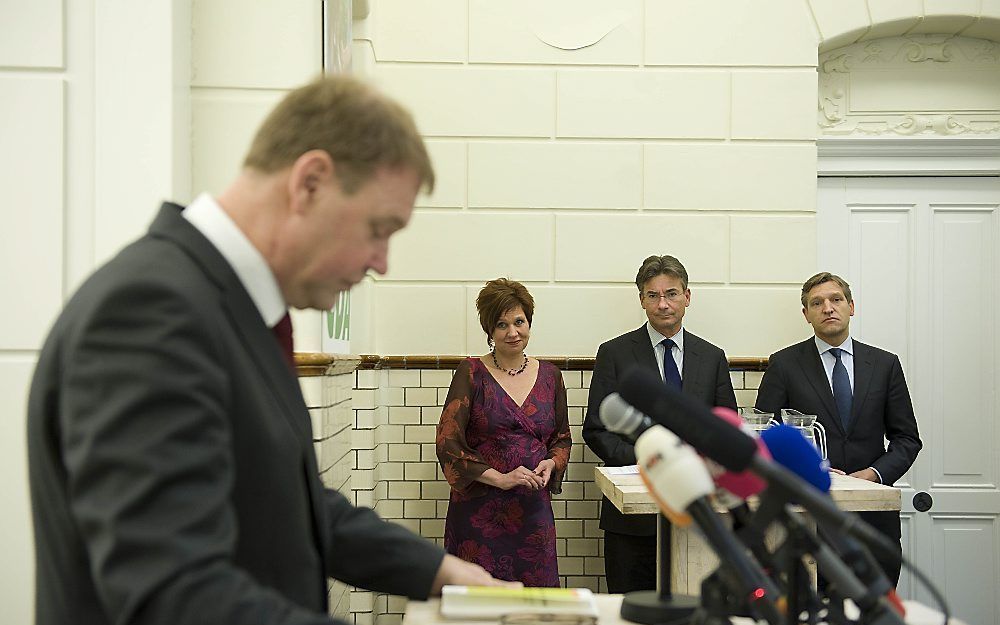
(509, 533)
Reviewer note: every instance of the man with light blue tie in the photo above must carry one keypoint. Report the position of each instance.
(858, 392)
(684, 361)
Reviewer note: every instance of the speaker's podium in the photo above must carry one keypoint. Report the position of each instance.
(691, 559)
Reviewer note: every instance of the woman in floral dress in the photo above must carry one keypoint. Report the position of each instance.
(503, 442)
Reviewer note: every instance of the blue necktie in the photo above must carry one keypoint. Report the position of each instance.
(670, 373)
(842, 393)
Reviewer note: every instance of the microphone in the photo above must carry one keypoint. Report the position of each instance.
(620, 417)
(743, 484)
(695, 424)
(678, 480)
(790, 449)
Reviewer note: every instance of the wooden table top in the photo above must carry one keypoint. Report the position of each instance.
(629, 494)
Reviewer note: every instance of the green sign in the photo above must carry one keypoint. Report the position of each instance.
(338, 320)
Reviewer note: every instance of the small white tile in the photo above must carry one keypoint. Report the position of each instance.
(746, 398)
(312, 391)
(404, 377)
(736, 379)
(404, 452)
(420, 434)
(436, 378)
(420, 509)
(421, 397)
(400, 415)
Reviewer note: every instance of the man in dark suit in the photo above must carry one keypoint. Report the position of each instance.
(172, 471)
(857, 392)
(682, 359)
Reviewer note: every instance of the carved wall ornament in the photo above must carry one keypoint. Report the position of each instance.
(867, 88)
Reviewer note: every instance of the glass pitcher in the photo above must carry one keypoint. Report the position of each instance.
(757, 420)
(810, 427)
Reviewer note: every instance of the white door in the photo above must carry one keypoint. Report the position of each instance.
(922, 256)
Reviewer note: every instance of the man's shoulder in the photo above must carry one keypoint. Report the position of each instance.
(625, 339)
(873, 353)
(793, 350)
(693, 340)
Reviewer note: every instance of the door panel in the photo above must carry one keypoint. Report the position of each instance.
(921, 255)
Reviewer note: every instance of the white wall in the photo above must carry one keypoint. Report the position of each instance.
(572, 139)
(94, 135)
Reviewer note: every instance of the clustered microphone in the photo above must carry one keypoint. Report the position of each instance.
(695, 424)
(719, 438)
(678, 480)
(863, 581)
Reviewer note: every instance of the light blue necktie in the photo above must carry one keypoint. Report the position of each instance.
(670, 373)
(842, 393)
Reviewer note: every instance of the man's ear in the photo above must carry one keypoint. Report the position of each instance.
(308, 174)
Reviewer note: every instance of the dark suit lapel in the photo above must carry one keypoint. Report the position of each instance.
(267, 355)
(812, 368)
(694, 359)
(257, 338)
(170, 224)
(864, 368)
(642, 350)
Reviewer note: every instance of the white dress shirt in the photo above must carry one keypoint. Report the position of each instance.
(207, 216)
(676, 352)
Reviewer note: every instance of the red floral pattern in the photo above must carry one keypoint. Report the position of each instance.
(509, 533)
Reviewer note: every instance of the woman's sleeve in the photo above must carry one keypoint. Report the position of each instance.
(461, 464)
(561, 441)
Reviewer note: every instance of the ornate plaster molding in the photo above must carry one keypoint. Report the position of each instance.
(849, 76)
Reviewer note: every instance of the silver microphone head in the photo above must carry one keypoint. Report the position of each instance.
(619, 416)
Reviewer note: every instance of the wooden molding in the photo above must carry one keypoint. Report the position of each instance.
(310, 364)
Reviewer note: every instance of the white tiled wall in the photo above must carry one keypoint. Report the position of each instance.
(331, 407)
(396, 471)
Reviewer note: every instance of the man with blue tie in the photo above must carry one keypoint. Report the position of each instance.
(684, 361)
(858, 392)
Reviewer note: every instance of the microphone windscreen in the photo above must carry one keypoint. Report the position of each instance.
(675, 475)
(743, 484)
(688, 418)
(790, 449)
(618, 416)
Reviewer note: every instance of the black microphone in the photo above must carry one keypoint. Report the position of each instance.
(790, 449)
(694, 423)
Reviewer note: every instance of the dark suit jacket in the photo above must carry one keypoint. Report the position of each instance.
(705, 376)
(171, 461)
(881, 409)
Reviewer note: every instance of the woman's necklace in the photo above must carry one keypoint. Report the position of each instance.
(524, 365)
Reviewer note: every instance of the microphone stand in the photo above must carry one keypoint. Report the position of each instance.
(842, 583)
(660, 606)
